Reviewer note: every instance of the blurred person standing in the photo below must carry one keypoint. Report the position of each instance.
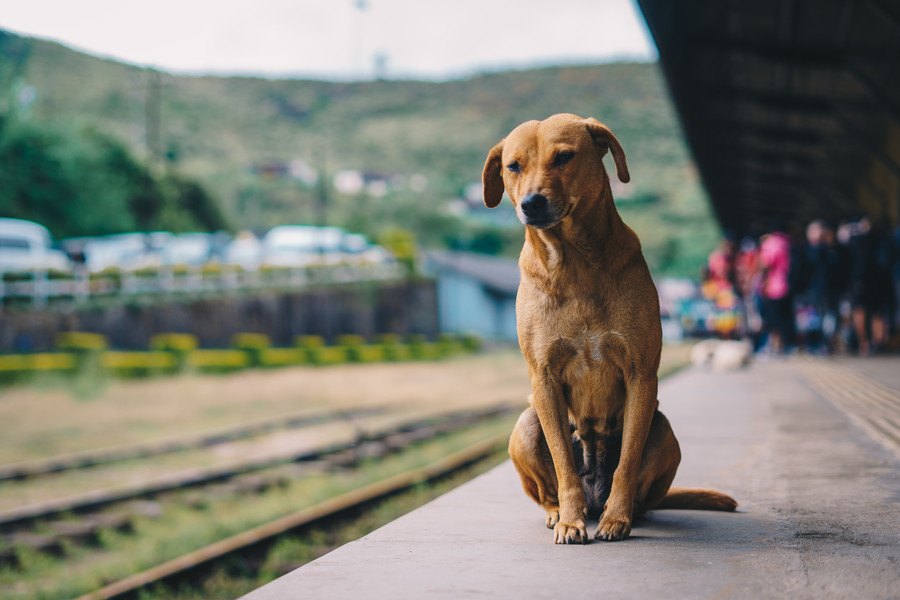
(818, 297)
(721, 264)
(719, 287)
(870, 289)
(748, 279)
(778, 313)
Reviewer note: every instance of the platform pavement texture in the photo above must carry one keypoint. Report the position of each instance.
(819, 514)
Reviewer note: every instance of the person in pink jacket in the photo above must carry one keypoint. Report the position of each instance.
(778, 314)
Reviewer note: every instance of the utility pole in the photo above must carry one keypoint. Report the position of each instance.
(153, 119)
(358, 66)
(322, 191)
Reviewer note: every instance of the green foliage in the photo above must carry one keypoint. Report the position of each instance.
(218, 361)
(138, 364)
(359, 351)
(79, 182)
(254, 344)
(87, 363)
(351, 340)
(189, 205)
(402, 244)
(78, 341)
(310, 341)
(245, 341)
(282, 357)
(394, 348)
(328, 355)
(179, 345)
(174, 342)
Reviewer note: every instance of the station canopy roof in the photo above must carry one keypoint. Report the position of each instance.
(791, 107)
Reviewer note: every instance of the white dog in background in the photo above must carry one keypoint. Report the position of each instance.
(722, 355)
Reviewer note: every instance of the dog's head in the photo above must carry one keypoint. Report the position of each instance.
(548, 167)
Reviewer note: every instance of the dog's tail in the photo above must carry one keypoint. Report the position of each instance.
(697, 499)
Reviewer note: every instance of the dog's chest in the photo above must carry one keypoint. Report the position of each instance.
(570, 336)
(591, 378)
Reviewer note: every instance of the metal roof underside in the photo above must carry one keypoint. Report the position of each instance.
(496, 274)
(791, 107)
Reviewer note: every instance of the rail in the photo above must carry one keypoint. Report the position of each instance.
(265, 534)
(347, 451)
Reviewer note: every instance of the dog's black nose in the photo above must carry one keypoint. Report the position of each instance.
(534, 205)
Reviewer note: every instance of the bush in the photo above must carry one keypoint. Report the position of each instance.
(351, 340)
(174, 342)
(87, 349)
(16, 366)
(366, 354)
(218, 361)
(360, 352)
(422, 349)
(179, 345)
(471, 342)
(309, 344)
(393, 347)
(51, 361)
(77, 341)
(328, 355)
(451, 344)
(253, 344)
(282, 357)
(138, 364)
(310, 341)
(401, 243)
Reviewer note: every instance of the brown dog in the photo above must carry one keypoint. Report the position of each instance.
(589, 327)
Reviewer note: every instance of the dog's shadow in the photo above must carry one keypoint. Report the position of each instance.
(686, 525)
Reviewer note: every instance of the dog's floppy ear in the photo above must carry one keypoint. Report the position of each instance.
(491, 179)
(604, 138)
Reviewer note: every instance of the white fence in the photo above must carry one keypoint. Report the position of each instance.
(37, 289)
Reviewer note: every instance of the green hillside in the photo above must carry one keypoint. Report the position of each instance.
(221, 130)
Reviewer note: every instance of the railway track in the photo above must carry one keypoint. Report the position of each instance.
(258, 539)
(104, 456)
(117, 508)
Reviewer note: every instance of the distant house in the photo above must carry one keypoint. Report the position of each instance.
(476, 293)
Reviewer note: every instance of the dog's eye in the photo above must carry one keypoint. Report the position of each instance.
(514, 167)
(562, 158)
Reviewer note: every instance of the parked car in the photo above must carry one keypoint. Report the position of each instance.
(356, 248)
(193, 249)
(245, 250)
(27, 246)
(298, 245)
(125, 251)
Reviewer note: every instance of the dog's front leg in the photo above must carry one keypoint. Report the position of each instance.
(640, 404)
(549, 403)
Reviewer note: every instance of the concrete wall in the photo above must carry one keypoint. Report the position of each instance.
(365, 309)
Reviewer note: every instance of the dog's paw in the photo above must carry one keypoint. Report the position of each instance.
(612, 529)
(570, 533)
(552, 517)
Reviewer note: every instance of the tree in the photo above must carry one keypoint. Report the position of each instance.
(86, 183)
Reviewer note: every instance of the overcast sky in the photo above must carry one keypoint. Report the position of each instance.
(334, 38)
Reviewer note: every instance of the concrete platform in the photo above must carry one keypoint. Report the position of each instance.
(819, 514)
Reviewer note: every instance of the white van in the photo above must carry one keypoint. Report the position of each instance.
(298, 245)
(26, 246)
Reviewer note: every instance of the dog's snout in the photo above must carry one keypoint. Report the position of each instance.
(534, 205)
